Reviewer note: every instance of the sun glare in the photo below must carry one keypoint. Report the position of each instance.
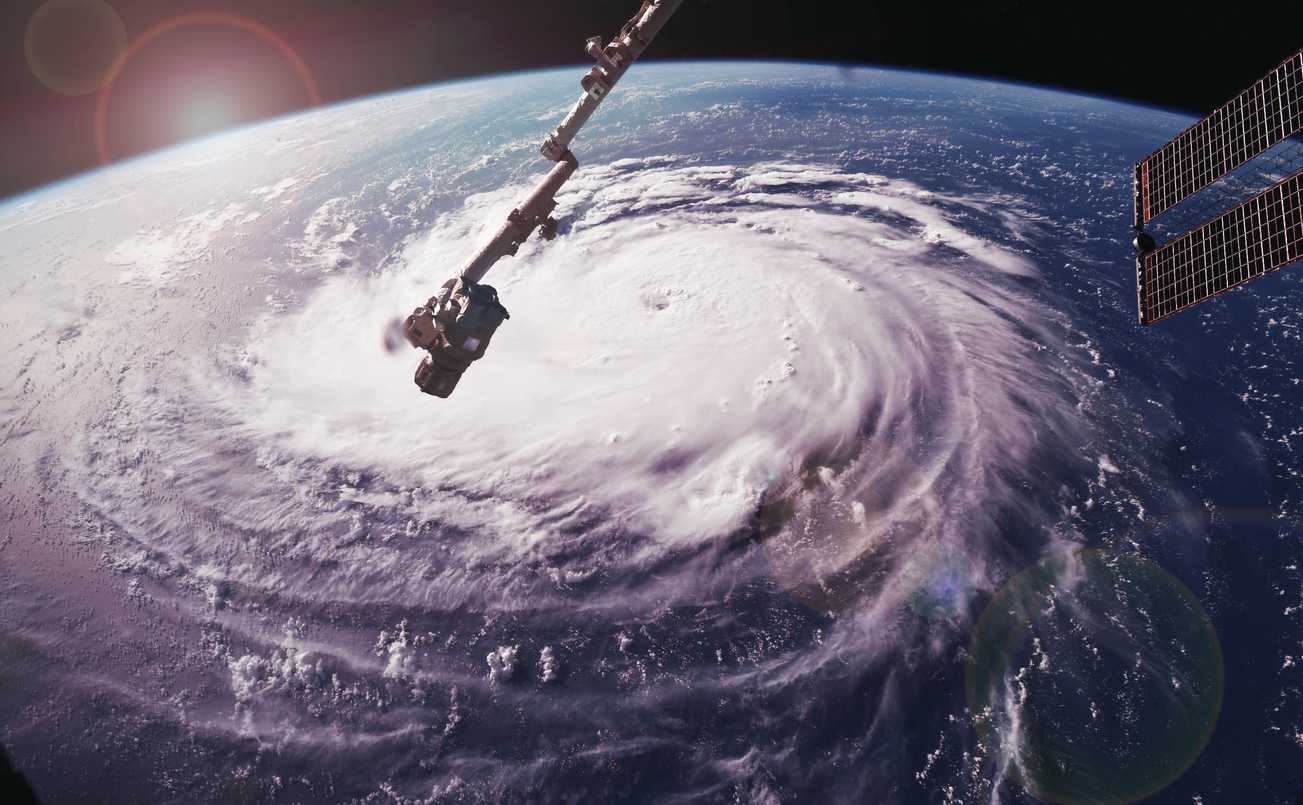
(205, 114)
(195, 75)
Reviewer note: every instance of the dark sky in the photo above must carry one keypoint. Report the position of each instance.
(186, 76)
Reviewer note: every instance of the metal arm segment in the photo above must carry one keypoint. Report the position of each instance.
(455, 325)
(536, 211)
(612, 63)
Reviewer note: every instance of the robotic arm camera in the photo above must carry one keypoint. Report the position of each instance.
(454, 327)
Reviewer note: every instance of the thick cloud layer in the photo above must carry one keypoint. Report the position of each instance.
(693, 335)
(885, 357)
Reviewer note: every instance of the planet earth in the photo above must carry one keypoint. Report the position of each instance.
(822, 459)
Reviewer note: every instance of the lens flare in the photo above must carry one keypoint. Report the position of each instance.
(949, 585)
(1094, 677)
(204, 115)
(206, 18)
(74, 46)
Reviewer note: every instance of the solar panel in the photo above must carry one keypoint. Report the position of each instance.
(1258, 118)
(1243, 243)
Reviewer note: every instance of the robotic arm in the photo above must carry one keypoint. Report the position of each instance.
(455, 325)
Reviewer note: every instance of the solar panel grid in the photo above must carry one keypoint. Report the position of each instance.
(1256, 107)
(1261, 235)
(1295, 78)
(1284, 79)
(1268, 116)
(1277, 110)
(1288, 79)
(1255, 120)
(1264, 103)
(1288, 95)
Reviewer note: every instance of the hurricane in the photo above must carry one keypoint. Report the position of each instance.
(775, 419)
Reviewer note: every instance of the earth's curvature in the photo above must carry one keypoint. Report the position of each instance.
(821, 363)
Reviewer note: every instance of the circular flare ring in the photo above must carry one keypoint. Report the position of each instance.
(202, 18)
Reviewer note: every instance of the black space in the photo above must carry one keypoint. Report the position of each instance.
(1159, 54)
(13, 785)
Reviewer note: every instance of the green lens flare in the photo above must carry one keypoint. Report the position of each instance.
(1094, 677)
